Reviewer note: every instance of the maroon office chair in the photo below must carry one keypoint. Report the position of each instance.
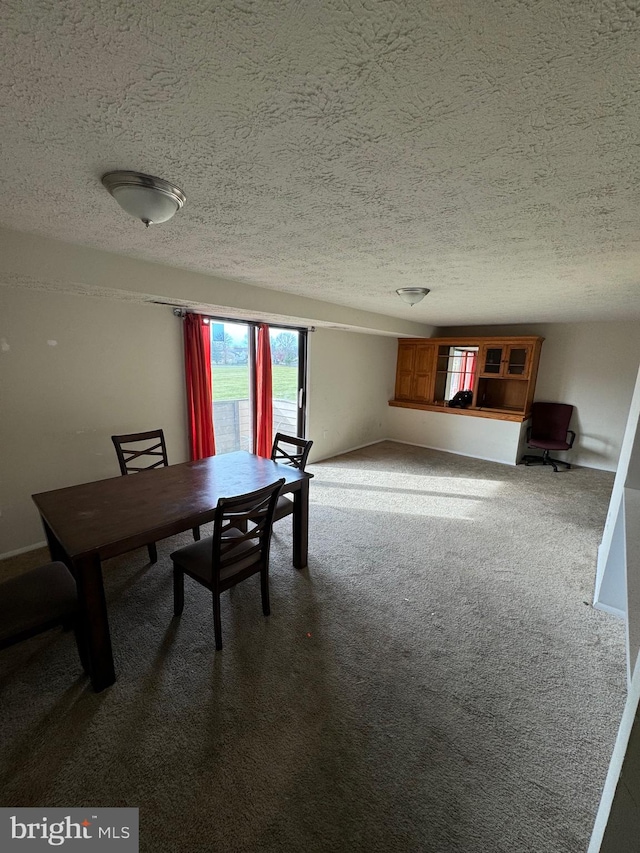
(549, 430)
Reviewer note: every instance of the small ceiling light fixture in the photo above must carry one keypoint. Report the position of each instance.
(150, 199)
(411, 295)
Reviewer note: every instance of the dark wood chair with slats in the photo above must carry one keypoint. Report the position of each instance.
(238, 549)
(289, 450)
(37, 601)
(150, 451)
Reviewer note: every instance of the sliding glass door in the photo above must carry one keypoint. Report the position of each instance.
(233, 360)
(232, 383)
(287, 381)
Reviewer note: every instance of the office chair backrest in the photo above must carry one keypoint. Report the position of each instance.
(290, 450)
(242, 529)
(151, 450)
(550, 421)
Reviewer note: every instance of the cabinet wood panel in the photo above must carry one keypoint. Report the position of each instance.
(423, 373)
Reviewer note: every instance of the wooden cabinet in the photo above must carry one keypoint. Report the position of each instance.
(500, 372)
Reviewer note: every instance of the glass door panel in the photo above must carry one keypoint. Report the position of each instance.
(232, 383)
(517, 364)
(492, 360)
(285, 377)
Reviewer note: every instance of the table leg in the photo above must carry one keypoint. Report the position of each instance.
(88, 573)
(301, 526)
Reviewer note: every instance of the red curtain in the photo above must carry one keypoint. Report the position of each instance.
(197, 365)
(264, 405)
(468, 370)
(463, 369)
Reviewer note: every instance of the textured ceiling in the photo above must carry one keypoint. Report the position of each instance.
(342, 149)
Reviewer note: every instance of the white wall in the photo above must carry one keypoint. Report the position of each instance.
(351, 380)
(482, 438)
(75, 370)
(118, 367)
(593, 366)
(611, 575)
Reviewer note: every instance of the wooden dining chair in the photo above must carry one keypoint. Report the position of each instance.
(37, 601)
(142, 451)
(238, 549)
(289, 450)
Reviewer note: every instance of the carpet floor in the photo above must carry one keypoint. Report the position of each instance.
(435, 681)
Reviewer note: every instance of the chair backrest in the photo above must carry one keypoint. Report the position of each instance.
(290, 450)
(242, 528)
(150, 449)
(550, 421)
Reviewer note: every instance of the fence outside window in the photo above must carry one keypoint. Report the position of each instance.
(233, 425)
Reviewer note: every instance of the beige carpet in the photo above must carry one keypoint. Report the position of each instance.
(436, 680)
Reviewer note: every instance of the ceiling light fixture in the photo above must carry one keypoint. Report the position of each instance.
(150, 199)
(411, 295)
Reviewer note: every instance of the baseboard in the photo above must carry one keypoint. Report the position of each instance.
(24, 550)
(607, 608)
(412, 444)
(349, 450)
(487, 458)
(454, 452)
(442, 450)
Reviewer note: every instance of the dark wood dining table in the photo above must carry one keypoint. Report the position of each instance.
(91, 522)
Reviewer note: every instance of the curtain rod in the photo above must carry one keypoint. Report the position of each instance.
(182, 312)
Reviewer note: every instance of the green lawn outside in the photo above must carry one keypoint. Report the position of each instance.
(231, 383)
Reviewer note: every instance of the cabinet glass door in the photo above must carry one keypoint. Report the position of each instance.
(492, 360)
(517, 361)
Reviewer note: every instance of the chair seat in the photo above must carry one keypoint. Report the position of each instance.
(195, 559)
(548, 444)
(42, 596)
(283, 507)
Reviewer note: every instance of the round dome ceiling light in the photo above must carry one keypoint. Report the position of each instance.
(153, 200)
(411, 295)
